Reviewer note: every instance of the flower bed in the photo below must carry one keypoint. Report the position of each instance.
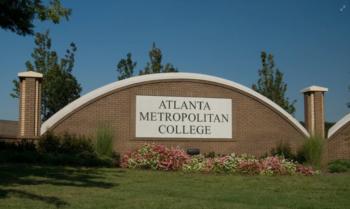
(156, 157)
(159, 157)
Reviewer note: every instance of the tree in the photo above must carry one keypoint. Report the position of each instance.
(125, 67)
(59, 86)
(18, 15)
(271, 84)
(155, 64)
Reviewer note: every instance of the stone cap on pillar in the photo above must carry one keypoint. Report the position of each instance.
(314, 89)
(30, 74)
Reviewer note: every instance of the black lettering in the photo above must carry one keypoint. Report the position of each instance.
(200, 104)
(200, 130)
(216, 119)
(184, 116)
(143, 117)
(199, 118)
(207, 130)
(184, 105)
(169, 103)
(160, 129)
(170, 129)
(191, 117)
(162, 105)
(167, 116)
(210, 117)
(153, 116)
(224, 117)
(192, 105)
(206, 106)
(160, 116)
(175, 105)
(176, 117)
(192, 129)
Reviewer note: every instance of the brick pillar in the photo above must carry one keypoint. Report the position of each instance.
(29, 104)
(314, 110)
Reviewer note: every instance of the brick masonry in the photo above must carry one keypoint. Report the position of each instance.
(338, 145)
(319, 114)
(29, 105)
(314, 112)
(307, 111)
(257, 127)
(8, 129)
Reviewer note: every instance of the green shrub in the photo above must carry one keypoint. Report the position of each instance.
(300, 157)
(23, 151)
(52, 149)
(22, 145)
(339, 166)
(15, 156)
(346, 163)
(67, 144)
(210, 155)
(72, 144)
(284, 150)
(49, 143)
(104, 141)
(312, 150)
(69, 149)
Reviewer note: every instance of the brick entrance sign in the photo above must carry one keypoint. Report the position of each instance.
(175, 109)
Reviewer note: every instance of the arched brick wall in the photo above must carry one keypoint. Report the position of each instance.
(338, 142)
(258, 124)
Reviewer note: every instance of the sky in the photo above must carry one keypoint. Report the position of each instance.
(310, 41)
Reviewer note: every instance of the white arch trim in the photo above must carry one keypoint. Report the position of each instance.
(339, 125)
(156, 77)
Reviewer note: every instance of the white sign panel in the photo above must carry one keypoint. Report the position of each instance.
(183, 117)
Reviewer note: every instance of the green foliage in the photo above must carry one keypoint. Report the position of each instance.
(155, 64)
(300, 157)
(210, 155)
(59, 86)
(284, 150)
(271, 84)
(55, 150)
(125, 67)
(18, 15)
(72, 144)
(49, 143)
(7, 156)
(339, 166)
(312, 150)
(23, 151)
(22, 145)
(67, 144)
(104, 141)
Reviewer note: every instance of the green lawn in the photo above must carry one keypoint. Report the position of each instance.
(39, 187)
